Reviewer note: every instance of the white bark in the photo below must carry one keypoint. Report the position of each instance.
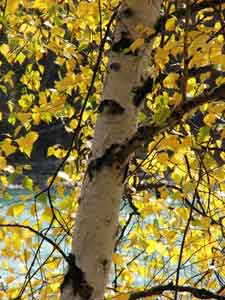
(97, 216)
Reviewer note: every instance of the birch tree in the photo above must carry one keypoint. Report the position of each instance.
(123, 105)
(128, 77)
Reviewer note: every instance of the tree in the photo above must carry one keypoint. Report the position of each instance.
(152, 195)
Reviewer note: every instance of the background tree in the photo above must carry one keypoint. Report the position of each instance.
(163, 100)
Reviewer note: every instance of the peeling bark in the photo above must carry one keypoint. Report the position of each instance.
(97, 216)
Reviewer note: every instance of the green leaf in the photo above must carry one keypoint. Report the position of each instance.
(20, 57)
(28, 183)
(203, 133)
(3, 89)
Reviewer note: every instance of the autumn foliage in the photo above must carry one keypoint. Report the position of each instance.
(53, 63)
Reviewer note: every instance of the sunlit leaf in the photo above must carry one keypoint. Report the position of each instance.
(26, 142)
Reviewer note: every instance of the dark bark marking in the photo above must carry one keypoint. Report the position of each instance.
(127, 13)
(115, 67)
(79, 200)
(76, 277)
(123, 43)
(93, 167)
(104, 262)
(106, 159)
(110, 106)
(140, 92)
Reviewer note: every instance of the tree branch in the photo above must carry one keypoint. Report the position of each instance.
(158, 290)
(198, 6)
(47, 239)
(118, 153)
(147, 133)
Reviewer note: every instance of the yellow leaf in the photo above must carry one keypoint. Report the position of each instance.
(56, 151)
(17, 130)
(187, 141)
(210, 119)
(163, 157)
(2, 295)
(5, 264)
(220, 80)
(7, 147)
(218, 59)
(216, 108)
(122, 297)
(127, 276)
(33, 209)
(176, 99)
(26, 143)
(164, 194)
(4, 180)
(169, 234)
(26, 101)
(162, 249)
(3, 162)
(4, 49)
(182, 212)
(43, 5)
(177, 176)
(137, 44)
(10, 211)
(18, 210)
(73, 124)
(205, 76)
(222, 134)
(36, 116)
(170, 24)
(12, 6)
(171, 142)
(60, 190)
(171, 80)
(1, 235)
(188, 187)
(191, 84)
(53, 264)
(117, 258)
(17, 244)
(87, 9)
(25, 197)
(219, 173)
(23, 117)
(152, 246)
(46, 215)
(66, 83)
(199, 59)
(161, 57)
(10, 279)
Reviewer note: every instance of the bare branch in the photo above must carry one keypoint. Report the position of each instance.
(158, 290)
(47, 239)
(147, 133)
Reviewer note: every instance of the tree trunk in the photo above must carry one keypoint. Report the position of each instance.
(97, 216)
